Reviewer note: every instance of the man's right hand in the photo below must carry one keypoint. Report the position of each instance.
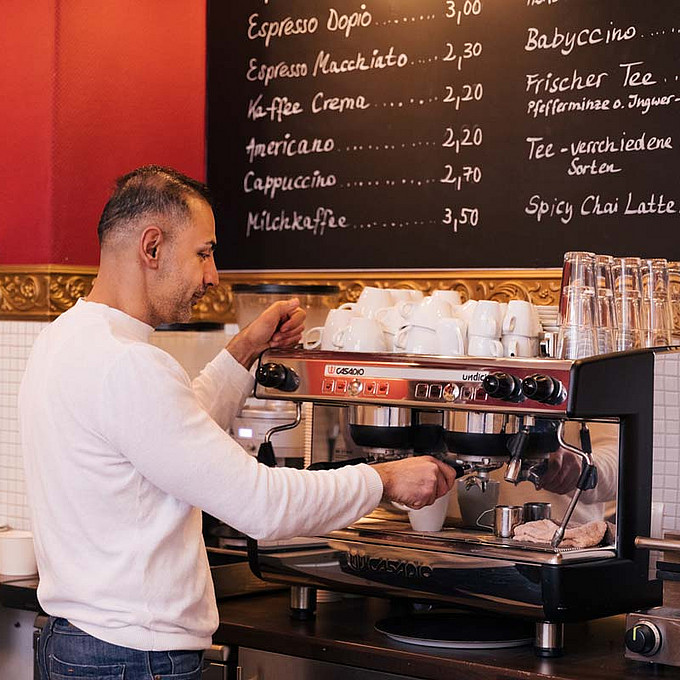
(416, 481)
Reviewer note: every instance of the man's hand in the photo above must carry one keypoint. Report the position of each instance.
(564, 469)
(280, 325)
(416, 481)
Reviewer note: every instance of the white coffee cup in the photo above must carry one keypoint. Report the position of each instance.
(429, 518)
(486, 320)
(425, 313)
(391, 321)
(403, 294)
(466, 310)
(521, 319)
(371, 300)
(17, 555)
(450, 296)
(322, 336)
(519, 346)
(481, 346)
(414, 339)
(360, 335)
(451, 337)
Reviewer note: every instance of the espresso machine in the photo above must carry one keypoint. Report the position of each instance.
(480, 416)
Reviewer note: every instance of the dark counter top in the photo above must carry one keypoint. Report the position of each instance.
(344, 633)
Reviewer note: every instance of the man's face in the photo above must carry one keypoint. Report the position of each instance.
(188, 267)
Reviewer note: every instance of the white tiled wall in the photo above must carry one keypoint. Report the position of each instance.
(192, 349)
(16, 340)
(666, 470)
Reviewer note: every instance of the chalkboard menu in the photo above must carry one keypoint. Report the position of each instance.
(391, 134)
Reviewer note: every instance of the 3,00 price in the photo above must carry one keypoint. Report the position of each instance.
(457, 9)
(469, 135)
(461, 217)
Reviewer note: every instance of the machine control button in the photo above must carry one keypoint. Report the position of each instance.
(543, 388)
(340, 386)
(370, 387)
(435, 392)
(451, 392)
(643, 638)
(468, 392)
(355, 387)
(421, 391)
(327, 386)
(502, 386)
(277, 376)
(383, 388)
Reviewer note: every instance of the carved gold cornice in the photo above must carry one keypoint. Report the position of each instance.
(42, 292)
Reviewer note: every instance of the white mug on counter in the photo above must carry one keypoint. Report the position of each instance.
(521, 319)
(17, 555)
(445, 337)
(400, 294)
(371, 300)
(486, 320)
(451, 296)
(519, 346)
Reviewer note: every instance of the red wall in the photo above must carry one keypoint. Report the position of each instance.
(97, 88)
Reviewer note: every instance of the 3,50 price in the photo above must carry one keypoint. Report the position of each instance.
(457, 9)
(469, 92)
(468, 135)
(460, 217)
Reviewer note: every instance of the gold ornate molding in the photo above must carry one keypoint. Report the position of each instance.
(42, 292)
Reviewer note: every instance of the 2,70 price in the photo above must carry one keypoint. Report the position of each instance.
(459, 217)
(469, 174)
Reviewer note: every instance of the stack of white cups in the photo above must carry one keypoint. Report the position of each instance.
(406, 321)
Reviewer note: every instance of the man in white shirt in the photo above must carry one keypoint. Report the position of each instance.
(121, 449)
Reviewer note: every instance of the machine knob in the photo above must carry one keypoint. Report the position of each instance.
(542, 388)
(643, 638)
(502, 386)
(277, 376)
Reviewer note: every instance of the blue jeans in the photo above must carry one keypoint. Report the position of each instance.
(66, 652)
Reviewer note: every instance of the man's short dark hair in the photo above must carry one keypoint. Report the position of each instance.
(149, 191)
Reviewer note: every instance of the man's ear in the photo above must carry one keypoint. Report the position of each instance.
(150, 243)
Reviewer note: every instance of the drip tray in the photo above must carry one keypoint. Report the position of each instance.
(457, 630)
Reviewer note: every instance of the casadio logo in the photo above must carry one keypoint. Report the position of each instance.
(344, 370)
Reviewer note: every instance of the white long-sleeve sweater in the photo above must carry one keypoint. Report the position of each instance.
(120, 451)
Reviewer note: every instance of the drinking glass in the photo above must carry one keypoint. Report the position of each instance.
(656, 307)
(674, 296)
(606, 307)
(627, 279)
(578, 271)
(577, 337)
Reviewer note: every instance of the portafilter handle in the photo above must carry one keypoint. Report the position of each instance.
(665, 544)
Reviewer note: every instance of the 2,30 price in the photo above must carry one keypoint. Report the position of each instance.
(469, 174)
(457, 9)
(468, 92)
(460, 217)
(468, 135)
(471, 50)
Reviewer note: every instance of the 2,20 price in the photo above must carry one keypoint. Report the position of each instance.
(457, 9)
(460, 217)
(469, 92)
(471, 50)
(468, 135)
(469, 174)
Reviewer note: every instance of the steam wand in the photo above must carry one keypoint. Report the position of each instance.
(587, 479)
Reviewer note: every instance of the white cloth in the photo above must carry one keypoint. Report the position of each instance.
(120, 450)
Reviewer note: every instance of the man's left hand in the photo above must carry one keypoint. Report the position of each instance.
(280, 325)
(564, 470)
